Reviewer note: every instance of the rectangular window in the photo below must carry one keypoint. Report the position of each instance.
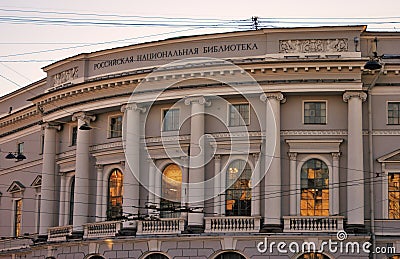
(394, 113)
(116, 127)
(314, 112)
(17, 218)
(394, 195)
(74, 135)
(171, 119)
(239, 114)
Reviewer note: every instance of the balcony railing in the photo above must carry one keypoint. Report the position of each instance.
(102, 229)
(58, 234)
(160, 227)
(313, 223)
(232, 224)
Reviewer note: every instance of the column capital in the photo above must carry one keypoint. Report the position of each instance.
(132, 107)
(84, 116)
(99, 167)
(292, 155)
(51, 125)
(217, 157)
(273, 95)
(197, 99)
(256, 155)
(354, 94)
(335, 155)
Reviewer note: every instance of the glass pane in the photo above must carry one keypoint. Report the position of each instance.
(238, 194)
(394, 195)
(115, 195)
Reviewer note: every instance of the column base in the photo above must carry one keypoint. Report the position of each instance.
(271, 228)
(194, 229)
(356, 229)
(76, 235)
(40, 239)
(127, 232)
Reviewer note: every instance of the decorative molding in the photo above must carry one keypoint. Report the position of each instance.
(16, 186)
(351, 94)
(132, 107)
(166, 139)
(386, 132)
(51, 125)
(197, 99)
(106, 146)
(314, 133)
(274, 95)
(313, 45)
(37, 182)
(336, 155)
(85, 117)
(292, 156)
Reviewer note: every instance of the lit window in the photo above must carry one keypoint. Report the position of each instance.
(313, 256)
(314, 189)
(71, 201)
(115, 187)
(17, 217)
(315, 113)
(116, 127)
(74, 135)
(171, 120)
(239, 114)
(394, 113)
(394, 195)
(171, 187)
(238, 193)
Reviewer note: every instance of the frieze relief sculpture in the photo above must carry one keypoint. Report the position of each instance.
(313, 46)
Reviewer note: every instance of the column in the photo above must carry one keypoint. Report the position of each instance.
(218, 205)
(132, 154)
(335, 184)
(185, 186)
(196, 160)
(294, 186)
(355, 173)
(63, 195)
(152, 177)
(48, 189)
(272, 162)
(82, 172)
(99, 193)
(256, 187)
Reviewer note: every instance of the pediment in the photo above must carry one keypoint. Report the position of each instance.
(37, 182)
(392, 157)
(16, 186)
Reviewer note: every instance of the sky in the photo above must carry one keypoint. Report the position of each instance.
(37, 33)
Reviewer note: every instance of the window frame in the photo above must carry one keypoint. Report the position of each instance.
(164, 111)
(229, 187)
(14, 218)
(170, 203)
(230, 105)
(328, 187)
(314, 101)
(387, 113)
(110, 131)
(109, 215)
(72, 142)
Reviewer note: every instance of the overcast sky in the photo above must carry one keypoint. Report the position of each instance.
(19, 66)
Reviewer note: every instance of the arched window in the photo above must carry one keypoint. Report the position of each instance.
(314, 188)
(71, 201)
(230, 255)
(171, 191)
(115, 189)
(313, 256)
(238, 193)
(156, 256)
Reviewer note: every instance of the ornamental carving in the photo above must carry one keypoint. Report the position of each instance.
(313, 46)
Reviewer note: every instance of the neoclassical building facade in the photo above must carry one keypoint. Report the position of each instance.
(212, 146)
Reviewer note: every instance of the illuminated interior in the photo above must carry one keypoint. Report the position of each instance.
(171, 191)
(394, 195)
(115, 182)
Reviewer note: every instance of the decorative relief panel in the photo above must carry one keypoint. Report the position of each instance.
(313, 46)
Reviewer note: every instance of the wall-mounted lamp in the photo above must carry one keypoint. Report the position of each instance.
(16, 155)
(85, 126)
(373, 63)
